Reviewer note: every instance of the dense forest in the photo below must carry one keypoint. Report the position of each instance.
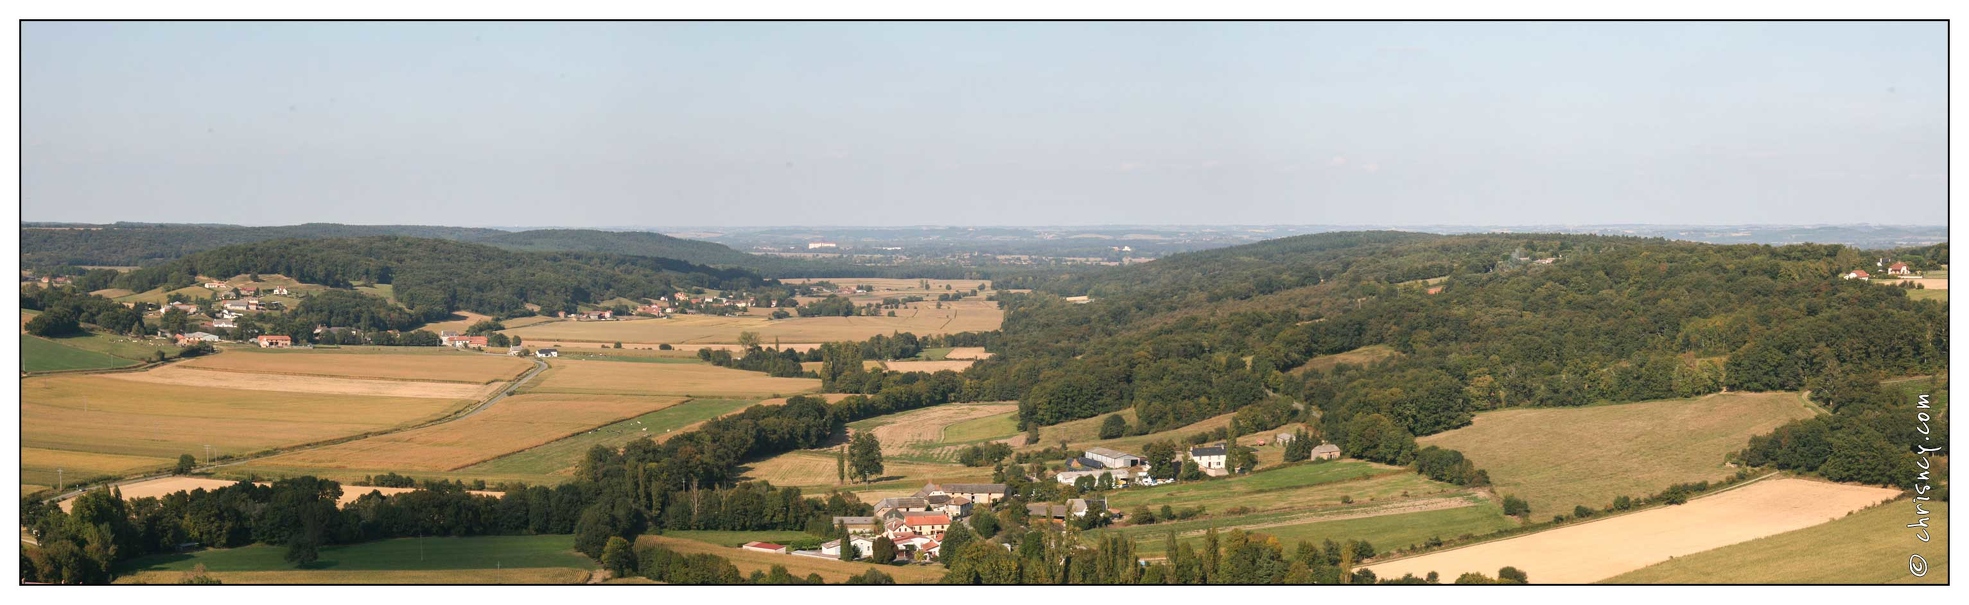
(139, 244)
(436, 277)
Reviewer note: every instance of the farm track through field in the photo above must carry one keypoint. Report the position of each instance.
(538, 367)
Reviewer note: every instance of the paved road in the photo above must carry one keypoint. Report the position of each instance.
(538, 367)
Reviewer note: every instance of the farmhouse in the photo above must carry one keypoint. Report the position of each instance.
(981, 493)
(1860, 274)
(280, 291)
(764, 547)
(464, 342)
(1326, 451)
(275, 341)
(858, 525)
(1284, 438)
(249, 291)
(864, 545)
(548, 353)
(904, 504)
(1119, 476)
(927, 524)
(185, 339)
(1076, 507)
(224, 323)
(215, 285)
(1208, 458)
(1899, 269)
(1113, 458)
(187, 309)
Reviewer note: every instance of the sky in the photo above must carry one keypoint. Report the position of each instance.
(974, 124)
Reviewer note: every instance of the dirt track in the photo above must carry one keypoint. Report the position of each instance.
(1598, 550)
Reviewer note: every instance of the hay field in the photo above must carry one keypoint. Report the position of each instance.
(159, 296)
(1362, 356)
(1598, 550)
(451, 366)
(832, 570)
(99, 414)
(986, 428)
(1868, 547)
(691, 380)
(560, 457)
(920, 436)
(961, 316)
(1086, 432)
(513, 424)
(928, 366)
(967, 353)
(215, 380)
(1557, 458)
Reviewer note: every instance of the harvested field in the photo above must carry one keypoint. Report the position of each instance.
(967, 353)
(560, 457)
(513, 424)
(961, 316)
(1386, 526)
(448, 366)
(1558, 458)
(1926, 284)
(180, 375)
(1597, 550)
(1367, 355)
(919, 435)
(928, 366)
(815, 469)
(100, 414)
(81, 465)
(832, 570)
(112, 292)
(159, 296)
(691, 380)
(1867, 547)
(987, 428)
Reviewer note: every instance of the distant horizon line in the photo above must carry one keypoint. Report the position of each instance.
(648, 228)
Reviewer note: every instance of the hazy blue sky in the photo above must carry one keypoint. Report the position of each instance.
(663, 124)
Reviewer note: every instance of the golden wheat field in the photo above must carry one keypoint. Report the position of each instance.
(510, 425)
(963, 316)
(99, 414)
(446, 366)
(967, 353)
(687, 379)
(816, 469)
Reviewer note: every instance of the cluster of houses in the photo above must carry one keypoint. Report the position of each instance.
(914, 523)
(1122, 469)
(1896, 270)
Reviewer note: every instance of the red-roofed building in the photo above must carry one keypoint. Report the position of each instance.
(1899, 269)
(928, 524)
(1858, 274)
(274, 341)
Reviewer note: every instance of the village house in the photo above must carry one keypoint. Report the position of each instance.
(979, 493)
(1120, 477)
(859, 525)
(863, 545)
(274, 341)
(1210, 459)
(249, 291)
(216, 285)
(1899, 269)
(1859, 274)
(1326, 451)
(927, 524)
(547, 353)
(280, 291)
(185, 339)
(224, 323)
(236, 305)
(1284, 438)
(916, 547)
(905, 504)
(1075, 508)
(463, 342)
(187, 309)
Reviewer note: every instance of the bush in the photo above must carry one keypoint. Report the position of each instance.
(1113, 426)
(1516, 507)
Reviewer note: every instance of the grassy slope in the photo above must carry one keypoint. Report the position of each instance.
(1557, 458)
(43, 355)
(1871, 546)
(735, 538)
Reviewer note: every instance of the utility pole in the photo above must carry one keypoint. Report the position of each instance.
(59, 484)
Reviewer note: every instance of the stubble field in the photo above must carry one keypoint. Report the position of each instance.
(962, 316)
(510, 425)
(678, 379)
(439, 366)
(1598, 550)
(1558, 458)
